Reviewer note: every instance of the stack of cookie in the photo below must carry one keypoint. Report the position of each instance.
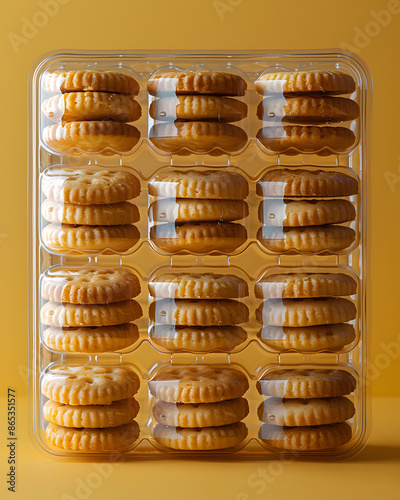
(304, 98)
(91, 111)
(90, 309)
(88, 209)
(199, 407)
(90, 408)
(193, 210)
(195, 312)
(306, 410)
(303, 311)
(195, 113)
(301, 210)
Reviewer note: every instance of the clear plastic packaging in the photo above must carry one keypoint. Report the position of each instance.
(200, 254)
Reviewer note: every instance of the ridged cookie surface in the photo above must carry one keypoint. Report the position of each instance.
(198, 286)
(299, 182)
(89, 384)
(89, 185)
(198, 384)
(186, 312)
(306, 383)
(87, 440)
(201, 415)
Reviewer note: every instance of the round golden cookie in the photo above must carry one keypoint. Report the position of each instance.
(186, 312)
(202, 414)
(308, 239)
(91, 339)
(68, 237)
(195, 210)
(89, 185)
(305, 82)
(198, 384)
(207, 438)
(196, 82)
(297, 182)
(91, 416)
(306, 383)
(102, 137)
(89, 80)
(305, 412)
(302, 285)
(296, 213)
(116, 214)
(89, 284)
(97, 440)
(198, 237)
(198, 286)
(308, 338)
(199, 184)
(198, 338)
(306, 109)
(313, 438)
(295, 139)
(198, 107)
(306, 312)
(115, 313)
(185, 138)
(82, 106)
(89, 384)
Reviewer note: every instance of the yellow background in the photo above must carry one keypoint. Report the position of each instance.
(223, 25)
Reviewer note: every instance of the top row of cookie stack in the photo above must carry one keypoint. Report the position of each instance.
(192, 112)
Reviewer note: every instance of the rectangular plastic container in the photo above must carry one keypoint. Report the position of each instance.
(260, 345)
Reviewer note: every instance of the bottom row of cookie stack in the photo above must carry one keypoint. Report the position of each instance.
(90, 408)
(199, 408)
(306, 410)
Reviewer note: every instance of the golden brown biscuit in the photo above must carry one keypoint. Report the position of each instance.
(198, 338)
(196, 82)
(86, 440)
(102, 137)
(307, 109)
(186, 312)
(89, 80)
(194, 210)
(62, 238)
(201, 415)
(91, 416)
(295, 139)
(298, 182)
(198, 237)
(207, 438)
(89, 185)
(91, 339)
(116, 214)
(198, 384)
(185, 138)
(76, 315)
(302, 285)
(311, 239)
(305, 82)
(198, 286)
(308, 338)
(198, 107)
(89, 384)
(315, 438)
(295, 213)
(306, 383)
(306, 312)
(305, 412)
(82, 106)
(199, 184)
(89, 284)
